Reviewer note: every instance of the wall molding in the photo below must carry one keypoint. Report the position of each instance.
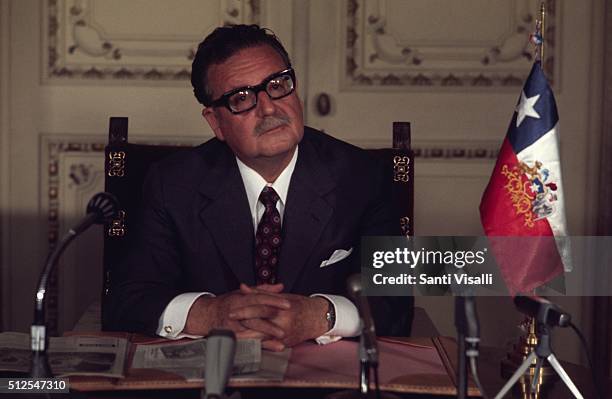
(79, 46)
(54, 150)
(441, 150)
(377, 57)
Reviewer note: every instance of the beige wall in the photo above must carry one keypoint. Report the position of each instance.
(51, 122)
(4, 159)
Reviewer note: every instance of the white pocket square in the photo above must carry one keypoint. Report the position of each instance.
(337, 256)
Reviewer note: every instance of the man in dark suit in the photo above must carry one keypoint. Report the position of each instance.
(257, 229)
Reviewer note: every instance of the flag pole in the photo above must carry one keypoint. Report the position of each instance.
(542, 32)
(530, 385)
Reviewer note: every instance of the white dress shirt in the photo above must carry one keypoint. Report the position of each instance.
(173, 318)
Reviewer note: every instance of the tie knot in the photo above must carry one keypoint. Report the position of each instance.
(268, 196)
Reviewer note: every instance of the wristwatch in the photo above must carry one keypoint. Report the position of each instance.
(330, 315)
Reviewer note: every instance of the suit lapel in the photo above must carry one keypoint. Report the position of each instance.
(306, 214)
(225, 212)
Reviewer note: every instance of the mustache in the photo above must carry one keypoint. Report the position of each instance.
(270, 123)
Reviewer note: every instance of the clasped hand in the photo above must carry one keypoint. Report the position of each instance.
(263, 312)
(284, 326)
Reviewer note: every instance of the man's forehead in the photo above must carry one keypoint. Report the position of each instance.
(248, 67)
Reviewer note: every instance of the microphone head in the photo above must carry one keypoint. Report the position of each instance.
(353, 285)
(220, 353)
(543, 310)
(104, 205)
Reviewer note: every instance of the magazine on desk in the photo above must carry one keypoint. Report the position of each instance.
(76, 355)
(106, 356)
(187, 359)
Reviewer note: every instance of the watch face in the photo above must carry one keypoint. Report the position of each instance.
(330, 316)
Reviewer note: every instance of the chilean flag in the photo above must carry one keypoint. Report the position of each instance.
(524, 197)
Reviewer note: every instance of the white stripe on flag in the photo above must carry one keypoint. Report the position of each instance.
(546, 151)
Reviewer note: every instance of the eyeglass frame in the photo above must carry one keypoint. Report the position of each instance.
(223, 99)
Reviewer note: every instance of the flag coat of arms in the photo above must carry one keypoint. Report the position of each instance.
(524, 197)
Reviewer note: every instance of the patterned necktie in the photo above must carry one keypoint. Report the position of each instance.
(268, 239)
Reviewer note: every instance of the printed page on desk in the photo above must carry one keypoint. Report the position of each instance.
(75, 355)
(106, 356)
(188, 358)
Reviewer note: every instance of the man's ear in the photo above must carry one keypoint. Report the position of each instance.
(211, 117)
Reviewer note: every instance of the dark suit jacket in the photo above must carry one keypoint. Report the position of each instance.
(196, 231)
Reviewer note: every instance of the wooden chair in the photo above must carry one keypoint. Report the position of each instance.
(126, 166)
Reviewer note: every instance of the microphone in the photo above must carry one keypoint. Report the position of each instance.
(368, 330)
(101, 208)
(368, 348)
(543, 310)
(468, 338)
(220, 352)
(466, 317)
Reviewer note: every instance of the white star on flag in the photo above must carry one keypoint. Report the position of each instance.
(525, 108)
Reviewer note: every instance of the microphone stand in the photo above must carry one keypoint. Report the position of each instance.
(462, 367)
(461, 326)
(38, 331)
(368, 348)
(368, 360)
(468, 332)
(100, 208)
(546, 316)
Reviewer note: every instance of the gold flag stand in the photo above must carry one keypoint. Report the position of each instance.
(528, 342)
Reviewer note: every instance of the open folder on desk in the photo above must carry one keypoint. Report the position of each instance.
(407, 365)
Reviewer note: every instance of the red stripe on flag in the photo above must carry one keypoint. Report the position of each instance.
(524, 247)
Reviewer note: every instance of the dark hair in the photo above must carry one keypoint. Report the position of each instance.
(223, 43)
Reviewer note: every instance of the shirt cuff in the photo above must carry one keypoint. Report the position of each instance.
(347, 320)
(173, 318)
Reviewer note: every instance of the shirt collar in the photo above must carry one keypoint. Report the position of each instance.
(254, 183)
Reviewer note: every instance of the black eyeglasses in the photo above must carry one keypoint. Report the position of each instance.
(243, 99)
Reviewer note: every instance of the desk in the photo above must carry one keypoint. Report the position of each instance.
(489, 369)
(407, 365)
(412, 370)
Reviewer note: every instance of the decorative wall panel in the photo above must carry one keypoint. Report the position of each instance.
(73, 171)
(132, 39)
(395, 44)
